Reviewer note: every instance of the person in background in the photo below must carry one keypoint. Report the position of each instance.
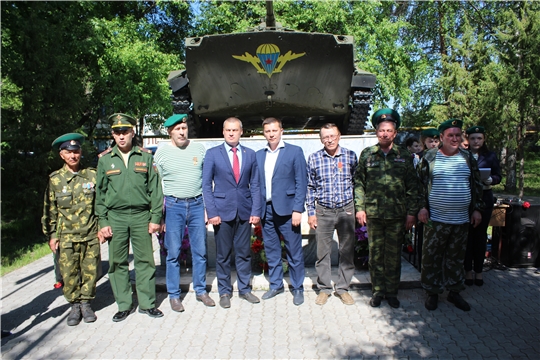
(415, 148)
(430, 139)
(464, 142)
(476, 242)
(72, 228)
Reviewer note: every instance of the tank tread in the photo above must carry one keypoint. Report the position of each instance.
(361, 105)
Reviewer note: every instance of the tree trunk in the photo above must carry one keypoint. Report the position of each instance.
(510, 185)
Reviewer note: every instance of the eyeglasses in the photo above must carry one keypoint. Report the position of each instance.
(329, 138)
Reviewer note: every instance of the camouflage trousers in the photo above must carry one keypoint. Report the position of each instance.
(78, 266)
(385, 237)
(443, 252)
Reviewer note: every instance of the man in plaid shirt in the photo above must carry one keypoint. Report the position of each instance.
(330, 194)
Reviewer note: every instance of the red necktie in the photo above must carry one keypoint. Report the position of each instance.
(236, 165)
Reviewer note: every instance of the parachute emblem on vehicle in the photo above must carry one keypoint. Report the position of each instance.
(268, 60)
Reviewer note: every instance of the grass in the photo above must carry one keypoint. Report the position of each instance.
(531, 178)
(21, 245)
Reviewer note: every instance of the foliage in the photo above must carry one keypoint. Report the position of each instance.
(258, 259)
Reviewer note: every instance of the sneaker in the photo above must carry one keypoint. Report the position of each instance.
(87, 313)
(345, 298)
(75, 316)
(432, 302)
(457, 300)
(322, 298)
(375, 301)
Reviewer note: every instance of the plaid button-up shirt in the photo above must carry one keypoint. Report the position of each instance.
(330, 179)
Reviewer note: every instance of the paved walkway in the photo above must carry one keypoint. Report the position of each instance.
(504, 323)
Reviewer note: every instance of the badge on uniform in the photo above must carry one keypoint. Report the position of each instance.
(112, 166)
(340, 166)
(399, 160)
(64, 189)
(195, 161)
(140, 163)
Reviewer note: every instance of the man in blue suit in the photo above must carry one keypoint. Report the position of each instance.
(233, 203)
(282, 169)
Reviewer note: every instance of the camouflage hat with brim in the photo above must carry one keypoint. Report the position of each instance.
(175, 119)
(476, 130)
(431, 132)
(386, 115)
(70, 141)
(451, 123)
(121, 122)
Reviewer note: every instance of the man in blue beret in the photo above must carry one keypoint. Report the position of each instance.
(129, 205)
(180, 164)
(71, 227)
(452, 198)
(386, 198)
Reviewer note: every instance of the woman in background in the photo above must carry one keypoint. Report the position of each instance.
(476, 243)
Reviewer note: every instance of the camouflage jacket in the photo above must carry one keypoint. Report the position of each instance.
(386, 187)
(425, 170)
(68, 206)
(136, 188)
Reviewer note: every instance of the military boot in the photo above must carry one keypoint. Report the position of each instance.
(74, 317)
(87, 313)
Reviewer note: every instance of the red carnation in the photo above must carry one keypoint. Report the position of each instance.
(258, 231)
(257, 246)
(526, 205)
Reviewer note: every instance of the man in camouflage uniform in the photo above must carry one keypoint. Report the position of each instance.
(386, 198)
(129, 203)
(71, 227)
(452, 197)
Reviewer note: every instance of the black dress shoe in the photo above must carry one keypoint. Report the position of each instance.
(271, 293)
(469, 282)
(393, 302)
(153, 312)
(457, 300)
(432, 302)
(121, 315)
(298, 297)
(478, 282)
(375, 301)
(249, 297)
(225, 301)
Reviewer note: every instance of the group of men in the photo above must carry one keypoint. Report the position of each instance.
(231, 187)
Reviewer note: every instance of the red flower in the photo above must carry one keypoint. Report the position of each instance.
(409, 249)
(258, 231)
(257, 246)
(526, 205)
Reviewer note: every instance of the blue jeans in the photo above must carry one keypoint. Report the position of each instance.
(179, 213)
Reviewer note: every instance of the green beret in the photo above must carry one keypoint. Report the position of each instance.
(71, 141)
(476, 130)
(386, 115)
(122, 122)
(451, 123)
(175, 119)
(431, 132)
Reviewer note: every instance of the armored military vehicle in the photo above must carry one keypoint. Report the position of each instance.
(305, 79)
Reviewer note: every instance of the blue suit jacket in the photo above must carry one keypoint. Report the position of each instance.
(289, 180)
(226, 198)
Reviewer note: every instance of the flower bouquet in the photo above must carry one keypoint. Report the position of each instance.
(362, 247)
(258, 259)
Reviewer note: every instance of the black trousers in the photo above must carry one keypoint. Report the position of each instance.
(476, 242)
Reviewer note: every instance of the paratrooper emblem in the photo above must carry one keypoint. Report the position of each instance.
(268, 60)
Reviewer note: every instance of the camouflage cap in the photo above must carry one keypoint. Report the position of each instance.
(431, 132)
(175, 119)
(476, 130)
(450, 123)
(121, 122)
(386, 115)
(70, 141)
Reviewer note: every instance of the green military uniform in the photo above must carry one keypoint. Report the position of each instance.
(68, 215)
(128, 199)
(386, 188)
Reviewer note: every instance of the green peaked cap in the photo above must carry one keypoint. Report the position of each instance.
(70, 141)
(386, 115)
